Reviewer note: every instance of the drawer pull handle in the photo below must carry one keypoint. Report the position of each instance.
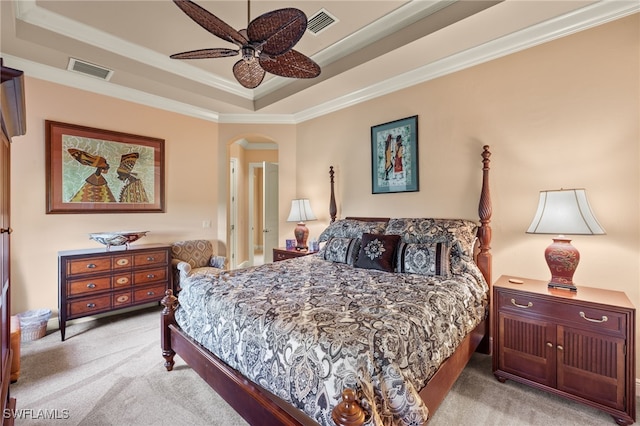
(527, 306)
(91, 285)
(91, 305)
(91, 265)
(604, 318)
(150, 259)
(150, 293)
(151, 276)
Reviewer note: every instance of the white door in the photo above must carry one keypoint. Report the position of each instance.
(233, 213)
(270, 209)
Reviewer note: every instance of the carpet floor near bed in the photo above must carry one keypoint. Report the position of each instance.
(110, 371)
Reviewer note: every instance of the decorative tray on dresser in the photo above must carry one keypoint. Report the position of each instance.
(579, 345)
(95, 281)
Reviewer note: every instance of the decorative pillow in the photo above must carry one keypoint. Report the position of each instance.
(217, 261)
(459, 233)
(378, 252)
(351, 228)
(424, 259)
(342, 250)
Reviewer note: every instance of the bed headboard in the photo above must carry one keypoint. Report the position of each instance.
(482, 257)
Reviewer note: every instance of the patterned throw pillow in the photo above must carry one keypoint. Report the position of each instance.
(342, 250)
(351, 228)
(424, 259)
(378, 252)
(460, 233)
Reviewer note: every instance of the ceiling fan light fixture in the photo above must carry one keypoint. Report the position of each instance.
(266, 45)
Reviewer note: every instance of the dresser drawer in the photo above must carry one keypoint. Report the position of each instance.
(590, 316)
(151, 258)
(122, 261)
(122, 298)
(122, 279)
(150, 276)
(88, 286)
(89, 305)
(150, 294)
(88, 265)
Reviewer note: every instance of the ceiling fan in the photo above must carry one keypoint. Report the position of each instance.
(266, 45)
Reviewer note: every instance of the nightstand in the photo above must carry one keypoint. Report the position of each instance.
(284, 254)
(579, 345)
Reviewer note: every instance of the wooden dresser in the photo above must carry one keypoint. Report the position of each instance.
(579, 345)
(96, 281)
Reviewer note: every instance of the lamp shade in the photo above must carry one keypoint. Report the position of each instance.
(301, 211)
(564, 211)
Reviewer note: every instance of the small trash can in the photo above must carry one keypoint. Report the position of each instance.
(33, 324)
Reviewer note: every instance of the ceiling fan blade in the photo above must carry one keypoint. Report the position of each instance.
(217, 52)
(211, 23)
(279, 30)
(292, 64)
(249, 73)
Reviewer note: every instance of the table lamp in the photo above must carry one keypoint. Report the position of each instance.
(564, 211)
(301, 212)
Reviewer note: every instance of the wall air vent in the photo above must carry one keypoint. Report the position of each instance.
(87, 68)
(320, 21)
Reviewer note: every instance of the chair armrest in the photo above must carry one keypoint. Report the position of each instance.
(183, 267)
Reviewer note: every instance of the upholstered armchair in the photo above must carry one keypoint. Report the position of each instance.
(194, 257)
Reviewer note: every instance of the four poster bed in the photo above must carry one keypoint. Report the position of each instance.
(373, 329)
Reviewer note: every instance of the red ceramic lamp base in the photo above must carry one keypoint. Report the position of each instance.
(563, 259)
(301, 233)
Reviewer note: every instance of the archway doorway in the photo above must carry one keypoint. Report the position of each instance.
(253, 215)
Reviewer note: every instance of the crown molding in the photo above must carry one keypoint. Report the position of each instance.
(581, 19)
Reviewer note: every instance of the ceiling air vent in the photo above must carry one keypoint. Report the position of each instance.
(320, 21)
(89, 69)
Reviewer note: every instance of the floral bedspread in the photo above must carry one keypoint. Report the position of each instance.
(307, 328)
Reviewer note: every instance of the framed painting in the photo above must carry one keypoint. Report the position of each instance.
(394, 156)
(101, 171)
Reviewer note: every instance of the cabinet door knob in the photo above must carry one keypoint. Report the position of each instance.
(150, 259)
(91, 305)
(91, 265)
(150, 293)
(151, 276)
(528, 305)
(604, 318)
(560, 348)
(91, 285)
(550, 344)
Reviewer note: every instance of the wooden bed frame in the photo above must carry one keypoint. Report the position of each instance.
(259, 406)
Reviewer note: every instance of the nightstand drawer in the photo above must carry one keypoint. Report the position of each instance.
(561, 310)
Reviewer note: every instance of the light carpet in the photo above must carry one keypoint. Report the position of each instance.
(110, 371)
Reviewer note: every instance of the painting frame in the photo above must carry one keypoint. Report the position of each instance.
(394, 156)
(90, 170)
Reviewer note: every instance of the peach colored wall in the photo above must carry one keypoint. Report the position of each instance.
(564, 114)
(191, 190)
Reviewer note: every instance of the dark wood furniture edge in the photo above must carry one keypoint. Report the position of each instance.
(258, 406)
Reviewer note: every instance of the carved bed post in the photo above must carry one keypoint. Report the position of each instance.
(484, 211)
(348, 412)
(333, 210)
(170, 303)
